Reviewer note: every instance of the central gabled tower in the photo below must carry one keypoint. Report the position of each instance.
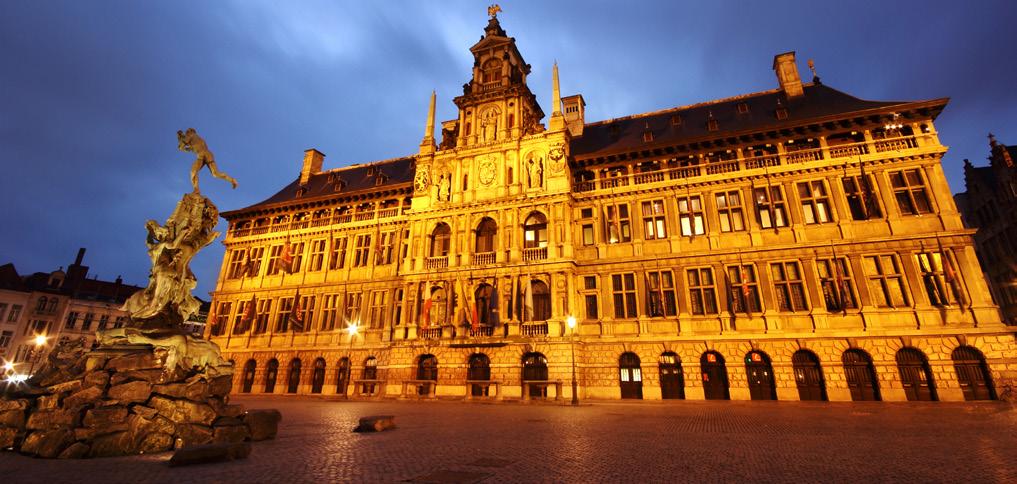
(496, 104)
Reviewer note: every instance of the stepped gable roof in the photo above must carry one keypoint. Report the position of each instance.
(354, 179)
(9, 278)
(819, 103)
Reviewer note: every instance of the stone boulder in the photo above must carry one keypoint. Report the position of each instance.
(183, 411)
(77, 450)
(203, 454)
(105, 417)
(131, 392)
(12, 418)
(47, 443)
(51, 419)
(190, 434)
(8, 437)
(96, 379)
(263, 424)
(83, 397)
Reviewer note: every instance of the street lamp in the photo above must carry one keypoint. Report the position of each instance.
(571, 322)
(351, 329)
(36, 354)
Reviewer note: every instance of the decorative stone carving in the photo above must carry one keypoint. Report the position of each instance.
(422, 181)
(534, 170)
(488, 171)
(444, 187)
(557, 156)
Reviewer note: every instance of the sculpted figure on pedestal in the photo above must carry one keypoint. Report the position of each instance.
(190, 141)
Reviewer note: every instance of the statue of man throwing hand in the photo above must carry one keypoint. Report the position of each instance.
(190, 141)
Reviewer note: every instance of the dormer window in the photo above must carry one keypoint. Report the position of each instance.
(491, 71)
(781, 113)
(339, 185)
(743, 108)
(676, 120)
(301, 191)
(370, 171)
(647, 134)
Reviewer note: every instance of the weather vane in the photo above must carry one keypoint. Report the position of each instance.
(493, 10)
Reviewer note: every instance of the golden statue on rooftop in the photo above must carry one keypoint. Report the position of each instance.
(493, 10)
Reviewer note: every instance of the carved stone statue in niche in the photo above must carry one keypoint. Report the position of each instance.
(535, 171)
(444, 187)
(489, 125)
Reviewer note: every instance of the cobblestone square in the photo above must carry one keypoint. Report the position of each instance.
(678, 441)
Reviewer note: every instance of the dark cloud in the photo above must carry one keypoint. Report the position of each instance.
(92, 92)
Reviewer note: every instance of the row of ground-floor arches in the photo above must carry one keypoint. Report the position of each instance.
(715, 373)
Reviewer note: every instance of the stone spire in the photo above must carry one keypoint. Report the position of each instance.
(427, 144)
(557, 120)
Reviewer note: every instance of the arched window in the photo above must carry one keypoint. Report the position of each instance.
(541, 301)
(860, 375)
(715, 385)
(435, 311)
(483, 297)
(535, 231)
(487, 231)
(630, 375)
(53, 305)
(479, 370)
(293, 379)
(41, 306)
(808, 376)
(248, 381)
(342, 379)
(270, 375)
(427, 369)
(535, 369)
(440, 238)
(972, 374)
(916, 375)
(491, 71)
(760, 373)
(318, 378)
(672, 379)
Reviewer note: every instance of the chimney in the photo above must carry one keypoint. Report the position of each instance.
(787, 74)
(312, 164)
(81, 257)
(575, 114)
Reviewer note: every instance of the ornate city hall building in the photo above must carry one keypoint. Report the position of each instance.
(793, 243)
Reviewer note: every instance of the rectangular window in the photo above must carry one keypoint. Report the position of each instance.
(274, 255)
(770, 207)
(254, 268)
(886, 281)
(661, 298)
(730, 212)
(616, 219)
(789, 287)
(5, 338)
(3, 310)
(398, 318)
(815, 202)
(588, 236)
(743, 289)
(835, 280)
(338, 258)
(376, 310)
(306, 309)
(940, 283)
(103, 321)
(690, 216)
(362, 250)
(351, 308)
(385, 245)
(72, 319)
(330, 312)
(702, 291)
(263, 310)
(297, 252)
(590, 297)
(861, 198)
(317, 261)
(236, 264)
(119, 322)
(654, 224)
(86, 324)
(15, 313)
(282, 317)
(909, 190)
(623, 289)
(222, 318)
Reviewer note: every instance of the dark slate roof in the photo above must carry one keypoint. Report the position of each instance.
(9, 278)
(394, 172)
(626, 134)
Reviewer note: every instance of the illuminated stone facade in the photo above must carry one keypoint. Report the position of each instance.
(791, 243)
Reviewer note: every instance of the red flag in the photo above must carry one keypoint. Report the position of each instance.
(249, 314)
(745, 285)
(286, 258)
(841, 293)
(426, 312)
(296, 315)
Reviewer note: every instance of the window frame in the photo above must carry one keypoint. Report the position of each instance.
(816, 208)
(905, 194)
(727, 211)
(701, 292)
(879, 280)
(654, 215)
(624, 295)
(691, 220)
(790, 295)
(771, 198)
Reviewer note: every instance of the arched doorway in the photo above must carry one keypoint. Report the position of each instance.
(861, 376)
(535, 369)
(293, 379)
(630, 375)
(318, 378)
(808, 376)
(480, 370)
(370, 373)
(672, 379)
(760, 374)
(915, 375)
(249, 370)
(427, 369)
(270, 375)
(715, 386)
(342, 379)
(972, 374)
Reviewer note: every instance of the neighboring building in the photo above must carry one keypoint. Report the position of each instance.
(792, 243)
(989, 203)
(13, 301)
(195, 325)
(62, 305)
